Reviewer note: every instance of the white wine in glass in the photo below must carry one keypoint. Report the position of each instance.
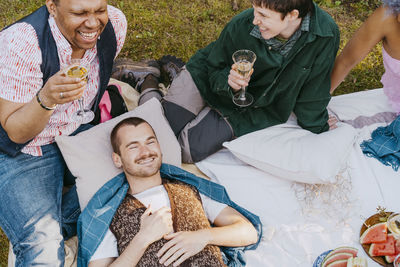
(244, 61)
(393, 224)
(79, 70)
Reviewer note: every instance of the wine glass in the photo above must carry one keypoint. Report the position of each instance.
(393, 224)
(396, 262)
(244, 60)
(77, 69)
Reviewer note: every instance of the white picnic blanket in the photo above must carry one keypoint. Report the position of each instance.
(294, 233)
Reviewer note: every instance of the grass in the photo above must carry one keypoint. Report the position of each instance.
(349, 18)
(3, 249)
(180, 27)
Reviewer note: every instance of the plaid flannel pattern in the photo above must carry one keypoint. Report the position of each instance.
(284, 47)
(97, 216)
(385, 144)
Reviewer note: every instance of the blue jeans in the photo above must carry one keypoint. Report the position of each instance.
(33, 212)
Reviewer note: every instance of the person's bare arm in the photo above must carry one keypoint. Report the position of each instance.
(101, 262)
(366, 37)
(131, 255)
(232, 229)
(153, 226)
(23, 121)
(231, 221)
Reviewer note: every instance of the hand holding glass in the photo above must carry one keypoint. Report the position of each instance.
(78, 70)
(244, 60)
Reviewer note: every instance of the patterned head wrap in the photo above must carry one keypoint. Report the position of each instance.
(393, 5)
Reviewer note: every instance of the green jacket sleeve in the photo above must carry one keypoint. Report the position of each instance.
(219, 63)
(311, 103)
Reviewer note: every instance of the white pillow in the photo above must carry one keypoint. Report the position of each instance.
(362, 109)
(88, 154)
(290, 152)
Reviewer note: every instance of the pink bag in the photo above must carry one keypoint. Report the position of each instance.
(111, 104)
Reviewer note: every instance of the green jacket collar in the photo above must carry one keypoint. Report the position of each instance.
(317, 25)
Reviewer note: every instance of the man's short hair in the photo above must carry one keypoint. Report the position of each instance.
(286, 6)
(133, 121)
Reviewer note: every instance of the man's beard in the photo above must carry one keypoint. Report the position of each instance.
(145, 171)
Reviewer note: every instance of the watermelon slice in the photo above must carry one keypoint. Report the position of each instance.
(357, 262)
(383, 249)
(374, 234)
(339, 263)
(350, 250)
(390, 259)
(336, 256)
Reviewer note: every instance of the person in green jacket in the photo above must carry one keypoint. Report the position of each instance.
(295, 43)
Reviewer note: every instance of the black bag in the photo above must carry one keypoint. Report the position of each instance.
(111, 105)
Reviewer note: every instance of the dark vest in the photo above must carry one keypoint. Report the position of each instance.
(106, 51)
(187, 215)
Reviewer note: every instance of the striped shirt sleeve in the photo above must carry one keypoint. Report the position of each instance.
(20, 60)
(118, 20)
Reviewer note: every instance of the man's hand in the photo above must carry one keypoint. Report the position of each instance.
(155, 225)
(181, 246)
(237, 81)
(332, 122)
(61, 89)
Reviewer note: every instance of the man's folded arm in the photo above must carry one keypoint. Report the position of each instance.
(130, 257)
(218, 63)
(231, 221)
(23, 122)
(314, 97)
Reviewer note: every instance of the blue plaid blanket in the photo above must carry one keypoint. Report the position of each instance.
(385, 144)
(96, 217)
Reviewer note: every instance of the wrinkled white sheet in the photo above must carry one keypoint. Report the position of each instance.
(291, 237)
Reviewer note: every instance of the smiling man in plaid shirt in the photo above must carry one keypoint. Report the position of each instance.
(36, 104)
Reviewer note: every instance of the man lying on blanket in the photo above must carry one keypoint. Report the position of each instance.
(156, 215)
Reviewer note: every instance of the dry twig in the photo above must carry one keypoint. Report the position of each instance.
(235, 5)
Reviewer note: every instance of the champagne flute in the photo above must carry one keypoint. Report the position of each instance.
(77, 69)
(393, 224)
(396, 262)
(244, 60)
